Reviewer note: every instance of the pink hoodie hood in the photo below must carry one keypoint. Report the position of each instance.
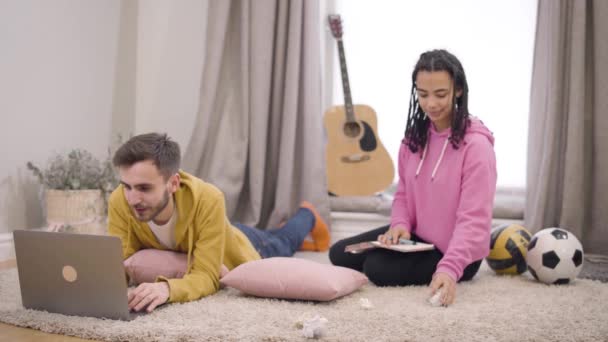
(476, 127)
(445, 196)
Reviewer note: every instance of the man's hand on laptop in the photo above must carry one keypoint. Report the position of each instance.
(148, 295)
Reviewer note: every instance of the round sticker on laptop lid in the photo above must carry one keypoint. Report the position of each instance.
(69, 273)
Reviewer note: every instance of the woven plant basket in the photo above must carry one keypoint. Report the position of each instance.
(77, 211)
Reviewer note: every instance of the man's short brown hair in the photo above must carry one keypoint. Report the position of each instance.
(158, 148)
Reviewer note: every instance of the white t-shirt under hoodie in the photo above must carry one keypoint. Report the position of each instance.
(165, 233)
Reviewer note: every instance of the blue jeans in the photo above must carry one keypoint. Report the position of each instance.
(284, 241)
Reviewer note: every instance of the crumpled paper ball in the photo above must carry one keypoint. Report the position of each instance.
(312, 327)
(365, 303)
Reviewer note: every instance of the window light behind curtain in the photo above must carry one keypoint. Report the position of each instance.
(493, 39)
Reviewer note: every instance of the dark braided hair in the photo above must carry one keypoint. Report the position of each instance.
(416, 130)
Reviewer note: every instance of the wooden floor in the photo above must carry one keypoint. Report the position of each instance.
(17, 334)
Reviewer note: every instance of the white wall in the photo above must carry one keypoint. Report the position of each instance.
(66, 66)
(494, 40)
(57, 79)
(170, 54)
(75, 73)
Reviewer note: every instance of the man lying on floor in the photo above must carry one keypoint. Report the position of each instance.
(159, 206)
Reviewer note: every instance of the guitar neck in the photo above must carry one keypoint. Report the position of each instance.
(348, 100)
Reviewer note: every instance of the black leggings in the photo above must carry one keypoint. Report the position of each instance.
(384, 267)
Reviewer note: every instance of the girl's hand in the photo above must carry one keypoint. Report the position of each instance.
(393, 234)
(447, 284)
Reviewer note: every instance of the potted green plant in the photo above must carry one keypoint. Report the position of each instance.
(76, 186)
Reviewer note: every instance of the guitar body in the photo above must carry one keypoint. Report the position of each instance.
(357, 162)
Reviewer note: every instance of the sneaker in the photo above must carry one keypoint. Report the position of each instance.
(319, 233)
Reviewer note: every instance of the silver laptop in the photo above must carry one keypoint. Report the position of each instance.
(72, 274)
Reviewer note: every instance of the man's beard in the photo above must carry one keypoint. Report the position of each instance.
(155, 210)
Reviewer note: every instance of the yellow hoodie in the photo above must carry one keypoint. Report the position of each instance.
(202, 231)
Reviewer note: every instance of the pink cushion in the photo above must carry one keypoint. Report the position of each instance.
(293, 278)
(147, 264)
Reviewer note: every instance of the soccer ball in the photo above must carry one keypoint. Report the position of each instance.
(508, 248)
(555, 256)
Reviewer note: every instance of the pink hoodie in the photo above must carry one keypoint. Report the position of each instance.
(446, 195)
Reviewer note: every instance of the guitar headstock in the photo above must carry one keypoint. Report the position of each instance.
(335, 24)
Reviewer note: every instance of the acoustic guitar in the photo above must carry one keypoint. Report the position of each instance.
(357, 162)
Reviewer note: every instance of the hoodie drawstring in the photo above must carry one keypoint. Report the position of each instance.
(129, 230)
(445, 145)
(426, 147)
(190, 243)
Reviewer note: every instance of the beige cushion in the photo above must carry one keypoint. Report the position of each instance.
(509, 203)
(380, 204)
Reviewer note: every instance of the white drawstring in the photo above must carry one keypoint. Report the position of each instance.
(445, 145)
(426, 147)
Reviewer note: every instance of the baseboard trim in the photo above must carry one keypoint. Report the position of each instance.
(7, 251)
(347, 224)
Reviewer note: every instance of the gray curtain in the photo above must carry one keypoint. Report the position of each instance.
(258, 135)
(567, 177)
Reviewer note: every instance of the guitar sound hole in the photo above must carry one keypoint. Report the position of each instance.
(352, 129)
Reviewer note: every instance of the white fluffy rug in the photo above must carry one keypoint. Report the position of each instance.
(489, 308)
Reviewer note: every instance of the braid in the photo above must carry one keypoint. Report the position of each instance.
(416, 129)
(417, 124)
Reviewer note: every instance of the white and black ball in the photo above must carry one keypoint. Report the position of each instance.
(555, 256)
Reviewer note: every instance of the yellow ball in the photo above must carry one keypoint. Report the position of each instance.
(508, 248)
